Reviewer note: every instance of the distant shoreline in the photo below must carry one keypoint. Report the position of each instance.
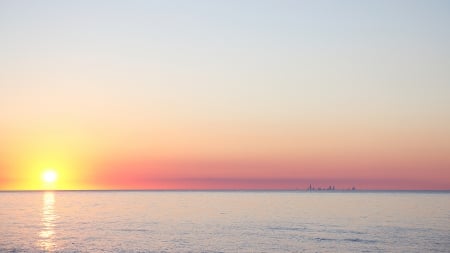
(235, 190)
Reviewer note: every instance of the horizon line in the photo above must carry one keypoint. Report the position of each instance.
(228, 190)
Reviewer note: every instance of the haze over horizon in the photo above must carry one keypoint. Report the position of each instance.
(225, 94)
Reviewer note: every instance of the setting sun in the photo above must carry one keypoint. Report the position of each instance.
(49, 176)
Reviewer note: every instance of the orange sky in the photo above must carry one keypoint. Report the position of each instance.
(283, 161)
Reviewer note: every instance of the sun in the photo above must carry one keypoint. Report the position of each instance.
(49, 176)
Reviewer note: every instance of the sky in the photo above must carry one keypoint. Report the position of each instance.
(225, 94)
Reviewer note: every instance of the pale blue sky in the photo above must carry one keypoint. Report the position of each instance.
(274, 61)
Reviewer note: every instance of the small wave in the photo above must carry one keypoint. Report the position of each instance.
(287, 228)
(133, 230)
(324, 239)
(359, 240)
(12, 250)
(343, 231)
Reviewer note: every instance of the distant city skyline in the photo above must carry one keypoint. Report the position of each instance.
(224, 94)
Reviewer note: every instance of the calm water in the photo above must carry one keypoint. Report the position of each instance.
(224, 222)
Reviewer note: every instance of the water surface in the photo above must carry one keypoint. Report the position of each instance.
(229, 221)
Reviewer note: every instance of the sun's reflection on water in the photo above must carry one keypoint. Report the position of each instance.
(47, 233)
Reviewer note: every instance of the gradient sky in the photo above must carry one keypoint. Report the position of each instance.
(225, 94)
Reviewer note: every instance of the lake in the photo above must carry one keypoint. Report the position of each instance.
(224, 221)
